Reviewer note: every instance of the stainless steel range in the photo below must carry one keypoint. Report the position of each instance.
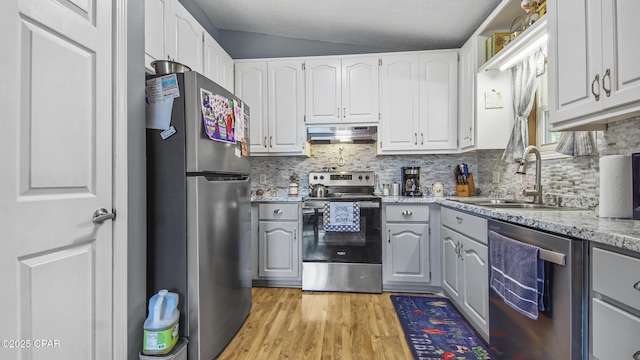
(341, 235)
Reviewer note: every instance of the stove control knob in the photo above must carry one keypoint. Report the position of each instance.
(315, 177)
(367, 177)
(360, 177)
(321, 177)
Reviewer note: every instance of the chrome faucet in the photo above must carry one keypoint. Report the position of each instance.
(522, 164)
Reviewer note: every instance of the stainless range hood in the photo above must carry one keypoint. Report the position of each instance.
(342, 134)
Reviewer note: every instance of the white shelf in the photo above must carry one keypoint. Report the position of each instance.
(521, 43)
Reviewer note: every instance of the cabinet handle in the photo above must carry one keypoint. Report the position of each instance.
(637, 286)
(421, 138)
(607, 74)
(596, 80)
(407, 212)
(461, 250)
(344, 112)
(270, 141)
(459, 219)
(277, 211)
(295, 235)
(458, 249)
(636, 356)
(416, 141)
(265, 141)
(389, 237)
(338, 113)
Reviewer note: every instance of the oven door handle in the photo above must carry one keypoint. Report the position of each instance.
(319, 204)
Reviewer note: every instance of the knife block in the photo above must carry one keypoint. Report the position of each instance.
(466, 190)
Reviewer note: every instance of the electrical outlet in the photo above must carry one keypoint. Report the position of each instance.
(263, 179)
(496, 177)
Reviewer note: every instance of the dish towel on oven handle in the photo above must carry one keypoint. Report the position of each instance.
(517, 274)
(341, 216)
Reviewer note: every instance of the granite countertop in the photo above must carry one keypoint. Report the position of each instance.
(579, 224)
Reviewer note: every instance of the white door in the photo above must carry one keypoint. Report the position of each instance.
(286, 106)
(439, 100)
(323, 91)
(186, 39)
(360, 89)
(251, 87)
(621, 52)
(56, 142)
(399, 97)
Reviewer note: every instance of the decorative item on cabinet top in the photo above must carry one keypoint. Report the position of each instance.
(342, 134)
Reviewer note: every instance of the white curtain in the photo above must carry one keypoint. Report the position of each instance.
(524, 85)
(575, 143)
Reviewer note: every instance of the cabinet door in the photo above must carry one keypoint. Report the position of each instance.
(186, 39)
(407, 253)
(438, 100)
(251, 87)
(278, 250)
(621, 52)
(615, 332)
(156, 30)
(212, 58)
(286, 106)
(575, 59)
(399, 102)
(225, 71)
(360, 89)
(474, 282)
(466, 96)
(450, 260)
(323, 91)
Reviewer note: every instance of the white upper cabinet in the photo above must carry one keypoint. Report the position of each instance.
(439, 100)
(399, 102)
(218, 65)
(251, 87)
(341, 90)
(466, 96)
(419, 102)
(286, 106)
(156, 16)
(593, 58)
(274, 91)
(186, 38)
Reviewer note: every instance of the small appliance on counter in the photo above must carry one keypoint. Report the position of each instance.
(411, 181)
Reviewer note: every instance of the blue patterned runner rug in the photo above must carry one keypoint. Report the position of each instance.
(434, 329)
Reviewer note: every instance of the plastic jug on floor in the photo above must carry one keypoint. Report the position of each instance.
(162, 324)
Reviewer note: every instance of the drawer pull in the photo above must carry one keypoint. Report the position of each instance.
(637, 287)
(636, 356)
(277, 211)
(459, 219)
(407, 212)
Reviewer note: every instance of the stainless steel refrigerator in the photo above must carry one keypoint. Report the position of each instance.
(199, 217)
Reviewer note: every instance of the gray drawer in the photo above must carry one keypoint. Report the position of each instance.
(616, 276)
(408, 213)
(615, 333)
(279, 211)
(472, 226)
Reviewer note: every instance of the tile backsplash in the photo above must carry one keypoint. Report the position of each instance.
(572, 180)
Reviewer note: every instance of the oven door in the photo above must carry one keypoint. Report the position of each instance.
(319, 245)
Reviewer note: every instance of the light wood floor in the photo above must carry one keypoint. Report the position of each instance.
(292, 324)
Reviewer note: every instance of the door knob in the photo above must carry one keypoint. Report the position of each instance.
(102, 215)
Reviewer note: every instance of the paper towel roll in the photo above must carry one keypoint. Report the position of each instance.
(616, 193)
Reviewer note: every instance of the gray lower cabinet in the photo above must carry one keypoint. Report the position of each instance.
(615, 305)
(465, 268)
(277, 251)
(407, 249)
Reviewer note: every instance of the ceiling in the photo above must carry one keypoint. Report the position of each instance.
(393, 24)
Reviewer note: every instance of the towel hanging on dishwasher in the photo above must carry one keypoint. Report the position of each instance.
(518, 274)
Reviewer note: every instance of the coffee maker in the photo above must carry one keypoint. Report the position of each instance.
(411, 181)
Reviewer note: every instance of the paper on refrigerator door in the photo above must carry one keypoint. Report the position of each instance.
(162, 88)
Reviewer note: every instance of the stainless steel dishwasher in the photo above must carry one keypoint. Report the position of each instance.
(559, 331)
